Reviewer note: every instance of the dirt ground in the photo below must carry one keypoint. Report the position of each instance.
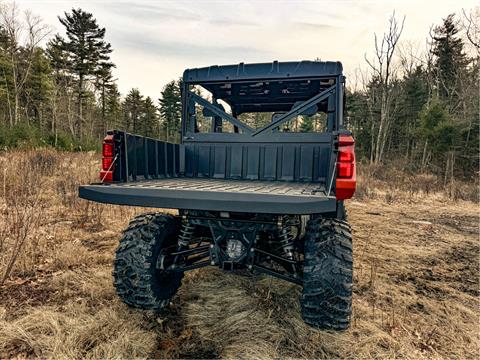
(416, 290)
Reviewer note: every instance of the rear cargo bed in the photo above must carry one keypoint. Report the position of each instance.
(216, 195)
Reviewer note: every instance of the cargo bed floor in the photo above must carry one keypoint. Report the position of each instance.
(216, 195)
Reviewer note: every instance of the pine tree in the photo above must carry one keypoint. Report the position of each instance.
(56, 53)
(307, 124)
(450, 59)
(132, 110)
(6, 76)
(413, 95)
(104, 81)
(38, 87)
(149, 118)
(86, 48)
(357, 120)
(438, 132)
(113, 108)
(171, 109)
(62, 93)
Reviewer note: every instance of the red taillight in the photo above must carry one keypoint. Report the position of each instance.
(346, 155)
(345, 171)
(108, 149)
(108, 165)
(346, 174)
(106, 176)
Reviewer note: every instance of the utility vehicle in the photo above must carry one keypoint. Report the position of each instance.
(259, 178)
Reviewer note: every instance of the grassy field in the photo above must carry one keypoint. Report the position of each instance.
(416, 284)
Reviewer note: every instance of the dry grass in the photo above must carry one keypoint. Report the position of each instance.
(416, 285)
(396, 183)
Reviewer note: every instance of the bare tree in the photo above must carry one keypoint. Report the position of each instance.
(471, 24)
(382, 67)
(410, 55)
(10, 23)
(371, 99)
(25, 34)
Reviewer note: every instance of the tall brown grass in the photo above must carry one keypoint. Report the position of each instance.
(416, 285)
(395, 183)
(39, 192)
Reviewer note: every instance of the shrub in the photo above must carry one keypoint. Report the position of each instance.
(24, 135)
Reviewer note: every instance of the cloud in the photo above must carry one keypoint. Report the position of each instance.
(153, 14)
(149, 12)
(314, 26)
(230, 21)
(156, 46)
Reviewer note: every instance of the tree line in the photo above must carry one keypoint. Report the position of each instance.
(64, 94)
(420, 109)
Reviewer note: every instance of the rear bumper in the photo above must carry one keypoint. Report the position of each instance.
(208, 200)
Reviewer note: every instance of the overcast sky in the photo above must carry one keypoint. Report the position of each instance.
(154, 41)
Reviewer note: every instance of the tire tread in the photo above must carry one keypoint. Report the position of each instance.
(327, 280)
(135, 274)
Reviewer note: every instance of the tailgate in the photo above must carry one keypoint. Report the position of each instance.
(216, 195)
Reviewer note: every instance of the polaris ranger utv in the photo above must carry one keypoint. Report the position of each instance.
(261, 197)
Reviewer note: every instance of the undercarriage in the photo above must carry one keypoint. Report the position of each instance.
(232, 241)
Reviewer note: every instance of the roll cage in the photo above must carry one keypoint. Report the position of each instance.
(291, 88)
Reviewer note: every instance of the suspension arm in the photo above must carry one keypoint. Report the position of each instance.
(271, 272)
(191, 251)
(276, 257)
(189, 267)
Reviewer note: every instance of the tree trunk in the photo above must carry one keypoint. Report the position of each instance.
(424, 156)
(381, 128)
(15, 90)
(10, 115)
(104, 124)
(54, 117)
(71, 120)
(372, 134)
(79, 113)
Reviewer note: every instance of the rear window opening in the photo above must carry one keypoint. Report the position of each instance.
(299, 124)
(257, 104)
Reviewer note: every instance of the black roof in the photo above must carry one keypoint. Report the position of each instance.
(263, 71)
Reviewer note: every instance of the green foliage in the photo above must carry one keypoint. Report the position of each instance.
(431, 116)
(25, 135)
(88, 53)
(433, 112)
(358, 120)
(132, 109)
(307, 124)
(38, 87)
(140, 115)
(57, 54)
(112, 107)
(256, 120)
(413, 95)
(171, 110)
(82, 57)
(450, 59)
(66, 142)
(20, 135)
(447, 136)
(438, 132)
(149, 118)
